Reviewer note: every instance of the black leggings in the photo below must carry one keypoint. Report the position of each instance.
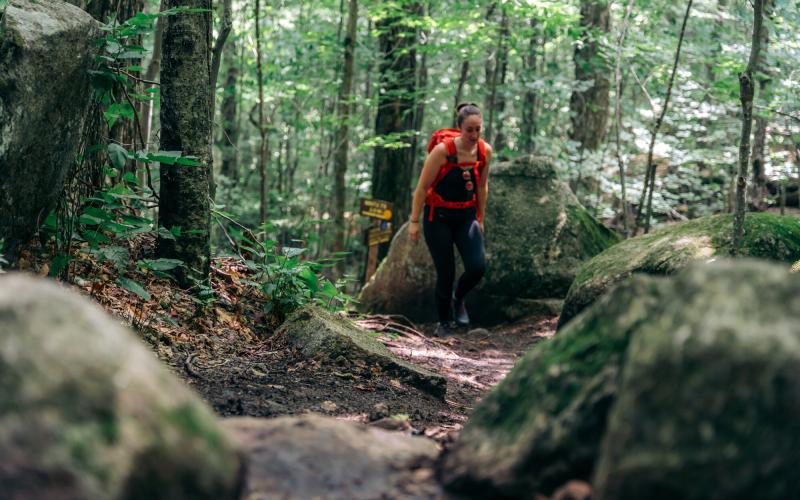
(459, 226)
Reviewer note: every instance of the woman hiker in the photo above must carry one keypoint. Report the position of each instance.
(453, 187)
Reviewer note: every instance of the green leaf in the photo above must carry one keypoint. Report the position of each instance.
(117, 255)
(130, 177)
(116, 111)
(290, 252)
(51, 221)
(133, 286)
(160, 264)
(89, 220)
(165, 157)
(98, 213)
(189, 161)
(268, 289)
(165, 234)
(310, 279)
(58, 263)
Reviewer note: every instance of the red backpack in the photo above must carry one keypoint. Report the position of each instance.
(434, 199)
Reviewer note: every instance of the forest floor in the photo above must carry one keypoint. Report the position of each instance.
(227, 352)
(268, 378)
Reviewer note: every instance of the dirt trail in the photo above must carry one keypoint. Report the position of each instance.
(265, 378)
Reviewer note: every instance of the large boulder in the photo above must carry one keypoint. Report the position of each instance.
(537, 235)
(542, 425)
(88, 412)
(325, 337)
(322, 457)
(709, 399)
(681, 387)
(767, 236)
(47, 48)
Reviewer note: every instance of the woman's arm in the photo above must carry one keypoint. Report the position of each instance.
(430, 170)
(483, 186)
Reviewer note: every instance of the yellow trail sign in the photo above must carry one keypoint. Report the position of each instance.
(376, 235)
(377, 209)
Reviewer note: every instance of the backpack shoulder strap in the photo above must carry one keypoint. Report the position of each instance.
(482, 151)
(452, 151)
(450, 146)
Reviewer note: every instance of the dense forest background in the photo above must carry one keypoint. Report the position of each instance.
(313, 107)
(545, 74)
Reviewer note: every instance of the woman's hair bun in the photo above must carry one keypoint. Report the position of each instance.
(464, 104)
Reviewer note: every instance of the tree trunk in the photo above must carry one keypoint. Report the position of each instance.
(462, 79)
(262, 129)
(528, 128)
(342, 142)
(230, 124)
(367, 111)
(746, 93)
(618, 118)
(186, 122)
(422, 85)
(392, 167)
(498, 86)
(650, 172)
(589, 107)
(226, 25)
(152, 74)
(759, 187)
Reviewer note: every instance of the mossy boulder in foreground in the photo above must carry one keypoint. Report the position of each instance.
(537, 235)
(681, 387)
(86, 411)
(321, 335)
(767, 236)
(709, 400)
(541, 426)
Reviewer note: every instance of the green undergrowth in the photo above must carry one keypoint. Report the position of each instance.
(110, 229)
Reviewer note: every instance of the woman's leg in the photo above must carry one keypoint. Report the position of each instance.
(439, 238)
(469, 241)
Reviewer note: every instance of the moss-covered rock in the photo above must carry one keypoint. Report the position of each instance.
(542, 425)
(680, 387)
(321, 335)
(767, 236)
(537, 235)
(86, 411)
(709, 400)
(47, 48)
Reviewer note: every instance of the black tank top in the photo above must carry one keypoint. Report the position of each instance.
(458, 185)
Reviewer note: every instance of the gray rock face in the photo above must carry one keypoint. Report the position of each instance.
(88, 412)
(47, 48)
(320, 457)
(709, 400)
(320, 335)
(542, 425)
(537, 235)
(680, 387)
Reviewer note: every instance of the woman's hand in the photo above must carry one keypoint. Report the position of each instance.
(480, 223)
(413, 231)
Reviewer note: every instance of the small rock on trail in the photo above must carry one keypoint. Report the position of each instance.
(320, 457)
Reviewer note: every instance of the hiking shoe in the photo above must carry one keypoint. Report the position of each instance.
(444, 330)
(460, 312)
